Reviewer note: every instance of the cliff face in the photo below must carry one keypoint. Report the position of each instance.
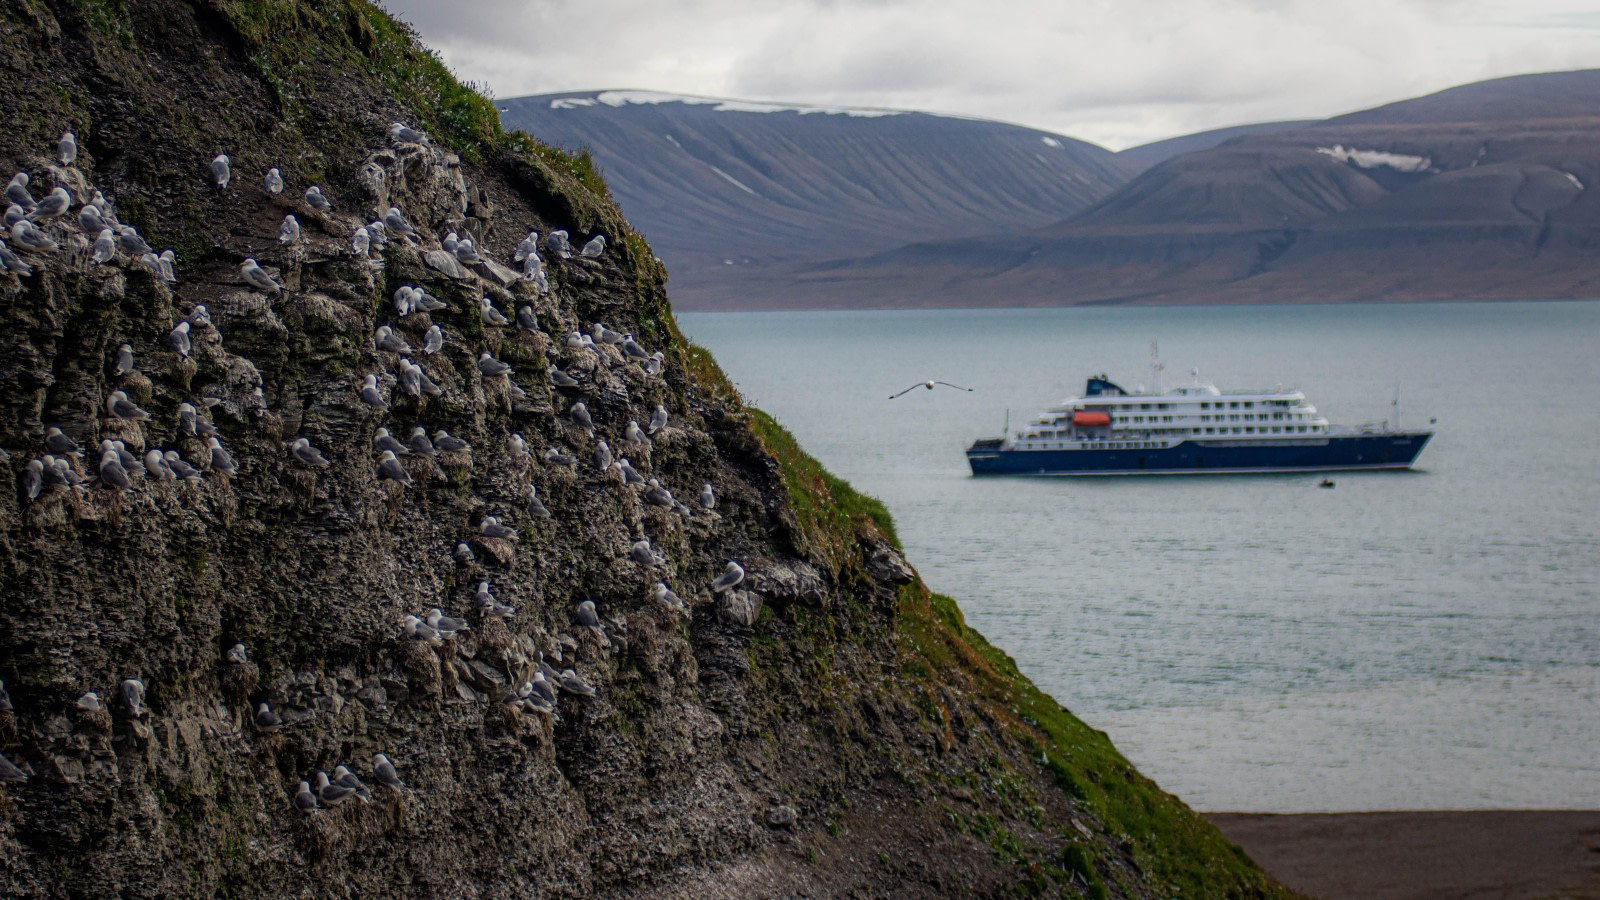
(826, 726)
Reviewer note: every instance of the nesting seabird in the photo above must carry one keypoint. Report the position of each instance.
(360, 242)
(929, 385)
(433, 341)
(444, 440)
(389, 467)
(492, 367)
(58, 443)
(111, 470)
(580, 414)
(557, 243)
(32, 479)
(169, 272)
(519, 447)
(730, 577)
(526, 320)
(395, 221)
(708, 499)
(221, 172)
(132, 696)
(311, 456)
(180, 339)
(446, 625)
(17, 192)
(389, 340)
(89, 219)
(578, 341)
(67, 148)
(491, 527)
(489, 314)
(630, 347)
(273, 181)
(420, 443)
(316, 201)
(560, 457)
(105, 247)
(89, 702)
(404, 300)
(120, 406)
(595, 247)
(26, 236)
(463, 553)
(401, 133)
(131, 243)
(289, 229)
(467, 252)
(410, 377)
(630, 475)
(419, 630)
(573, 683)
(602, 456)
(343, 777)
(383, 772)
(371, 396)
(641, 553)
(257, 277)
(658, 419)
(561, 379)
(633, 435)
(183, 470)
(449, 242)
(665, 596)
(15, 214)
(536, 506)
(12, 262)
(332, 794)
(155, 464)
(304, 800)
(200, 317)
(54, 204)
(237, 655)
(267, 721)
(190, 423)
(656, 495)
(384, 441)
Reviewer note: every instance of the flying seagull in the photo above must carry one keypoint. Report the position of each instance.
(929, 385)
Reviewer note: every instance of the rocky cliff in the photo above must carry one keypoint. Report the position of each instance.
(199, 613)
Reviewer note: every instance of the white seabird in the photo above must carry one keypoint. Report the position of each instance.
(658, 419)
(561, 379)
(12, 262)
(630, 475)
(360, 242)
(267, 721)
(289, 229)
(17, 192)
(304, 800)
(105, 247)
(54, 204)
(67, 148)
(433, 341)
(401, 133)
(26, 236)
(132, 695)
(395, 221)
(180, 340)
(257, 277)
(580, 414)
(89, 218)
(526, 320)
(343, 777)
(59, 444)
(730, 577)
(595, 247)
(155, 464)
(32, 479)
(389, 467)
(572, 682)
(492, 367)
(491, 527)
(169, 273)
(129, 240)
(316, 201)
(466, 251)
(371, 396)
(383, 772)
(633, 435)
(124, 363)
(446, 625)
(420, 443)
(641, 553)
(385, 441)
(489, 314)
(390, 341)
(221, 172)
(557, 242)
(419, 630)
(221, 459)
(929, 385)
(536, 506)
(332, 794)
(560, 457)
(273, 181)
(444, 440)
(463, 553)
(120, 406)
(708, 499)
(602, 456)
(311, 456)
(664, 596)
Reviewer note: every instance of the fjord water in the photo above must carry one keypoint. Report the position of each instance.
(1422, 640)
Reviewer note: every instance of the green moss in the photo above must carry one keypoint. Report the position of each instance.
(1076, 860)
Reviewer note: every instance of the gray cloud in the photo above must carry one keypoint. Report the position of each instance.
(1117, 73)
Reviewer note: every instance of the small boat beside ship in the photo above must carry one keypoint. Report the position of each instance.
(1190, 429)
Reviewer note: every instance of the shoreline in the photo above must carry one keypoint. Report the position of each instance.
(1391, 855)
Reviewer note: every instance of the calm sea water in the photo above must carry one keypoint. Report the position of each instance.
(1424, 640)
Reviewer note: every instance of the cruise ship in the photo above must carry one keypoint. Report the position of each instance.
(1190, 429)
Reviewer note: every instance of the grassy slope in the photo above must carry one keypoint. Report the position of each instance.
(1167, 841)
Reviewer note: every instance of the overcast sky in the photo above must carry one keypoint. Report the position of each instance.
(1116, 72)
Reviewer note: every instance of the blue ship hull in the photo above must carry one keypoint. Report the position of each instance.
(1392, 450)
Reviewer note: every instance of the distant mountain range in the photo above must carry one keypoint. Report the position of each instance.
(1479, 192)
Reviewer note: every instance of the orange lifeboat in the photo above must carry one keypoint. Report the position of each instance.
(1091, 419)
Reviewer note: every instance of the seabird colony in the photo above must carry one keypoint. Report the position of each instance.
(36, 230)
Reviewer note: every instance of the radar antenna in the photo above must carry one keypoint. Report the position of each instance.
(1156, 368)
